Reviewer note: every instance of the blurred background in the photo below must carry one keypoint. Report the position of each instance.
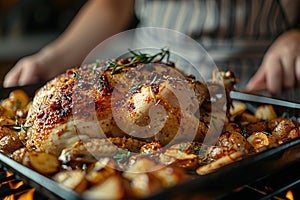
(28, 25)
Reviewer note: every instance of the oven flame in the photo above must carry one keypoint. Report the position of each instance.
(15, 184)
(289, 195)
(8, 173)
(28, 195)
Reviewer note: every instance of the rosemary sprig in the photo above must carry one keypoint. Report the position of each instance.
(196, 150)
(17, 126)
(138, 57)
(122, 155)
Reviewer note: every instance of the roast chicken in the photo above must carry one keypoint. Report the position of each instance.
(118, 98)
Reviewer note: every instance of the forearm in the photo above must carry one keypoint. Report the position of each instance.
(96, 21)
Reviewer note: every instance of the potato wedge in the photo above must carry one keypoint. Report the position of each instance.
(74, 180)
(237, 108)
(180, 159)
(225, 160)
(101, 170)
(145, 184)
(111, 188)
(265, 112)
(141, 165)
(44, 163)
(170, 176)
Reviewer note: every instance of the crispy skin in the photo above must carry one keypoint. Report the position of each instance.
(91, 101)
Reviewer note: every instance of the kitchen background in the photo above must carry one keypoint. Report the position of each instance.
(28, 25)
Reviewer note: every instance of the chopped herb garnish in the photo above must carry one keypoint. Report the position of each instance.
(17, 126)
(244, 132)
(196, 150)
(181, 148)
(76, 75)
(122, 155)
(92, 69)
(202, 152)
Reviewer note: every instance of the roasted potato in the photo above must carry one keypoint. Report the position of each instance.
(273, 123)
(9, 144)
(233, 141)
(259, 140)
(44, 163)
(247, 118)
(178, 158)
(141, 165)
(74, 180)
(111, 188)
(236, 109)
(282, 130)
(265, 112)
(101, 170)
(170, 175)
(20, 97)
(9, 107)
(145, 184)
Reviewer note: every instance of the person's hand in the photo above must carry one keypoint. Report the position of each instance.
(33, 69)
(26, 71)
(280, 68)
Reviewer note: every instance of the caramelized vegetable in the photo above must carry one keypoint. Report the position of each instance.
(265, 112)
(259, 140)
(44, 163)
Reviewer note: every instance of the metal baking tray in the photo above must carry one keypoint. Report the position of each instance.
(209, 186)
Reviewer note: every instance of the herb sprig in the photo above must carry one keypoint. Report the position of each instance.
(122, 155)
(17, 126)
(138, 57)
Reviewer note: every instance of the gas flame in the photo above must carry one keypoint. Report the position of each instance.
(15, 184)
(289, 195)
(27, 195)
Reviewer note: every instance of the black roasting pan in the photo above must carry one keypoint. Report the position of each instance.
(208, 186)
